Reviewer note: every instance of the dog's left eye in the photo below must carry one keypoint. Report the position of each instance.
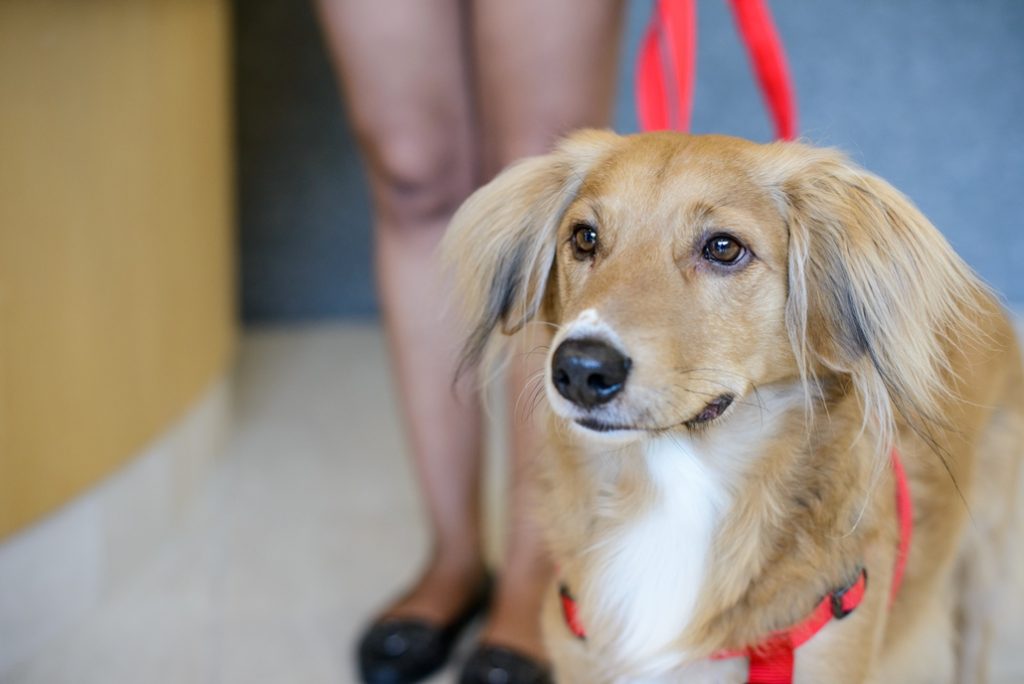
(724, 249)
(584, 240)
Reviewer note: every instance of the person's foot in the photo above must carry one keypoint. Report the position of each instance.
(415, 636)
(514, 620)
(441, 592)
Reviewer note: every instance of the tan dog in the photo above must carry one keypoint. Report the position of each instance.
(744, 333)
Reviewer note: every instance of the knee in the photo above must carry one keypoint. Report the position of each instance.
(416, 180)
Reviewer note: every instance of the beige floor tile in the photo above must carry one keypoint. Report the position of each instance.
(48, 579)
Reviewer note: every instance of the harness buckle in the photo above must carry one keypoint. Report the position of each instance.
(846, 599)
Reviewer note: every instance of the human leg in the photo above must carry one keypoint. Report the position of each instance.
(403, 72)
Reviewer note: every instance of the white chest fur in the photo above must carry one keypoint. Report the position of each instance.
(645, 574)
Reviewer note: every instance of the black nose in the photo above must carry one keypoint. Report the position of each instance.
(589, 372)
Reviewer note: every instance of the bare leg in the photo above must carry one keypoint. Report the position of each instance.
(544, 68)
(402, 68)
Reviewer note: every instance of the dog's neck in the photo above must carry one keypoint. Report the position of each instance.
(798, 527)
(688, 543)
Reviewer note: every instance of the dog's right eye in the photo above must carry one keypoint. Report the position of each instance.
(584, 241)
(724, 249)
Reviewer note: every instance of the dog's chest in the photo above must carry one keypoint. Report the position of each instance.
(641, 564)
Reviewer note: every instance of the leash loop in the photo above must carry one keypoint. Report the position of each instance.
(666, 66)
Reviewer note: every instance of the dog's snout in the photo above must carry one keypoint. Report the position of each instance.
(589, 372)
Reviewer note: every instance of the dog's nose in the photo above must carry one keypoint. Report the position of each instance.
(589, 372)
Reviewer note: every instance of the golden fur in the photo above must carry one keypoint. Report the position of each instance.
(851, 302)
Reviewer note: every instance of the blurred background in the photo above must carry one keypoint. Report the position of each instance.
(202, 477)
(927, 95)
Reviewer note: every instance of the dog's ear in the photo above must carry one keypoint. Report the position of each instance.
(500, 245)
(875, 291)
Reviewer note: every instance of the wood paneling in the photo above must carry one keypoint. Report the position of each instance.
(116, 235)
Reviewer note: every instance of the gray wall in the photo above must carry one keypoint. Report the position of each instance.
(927, 94)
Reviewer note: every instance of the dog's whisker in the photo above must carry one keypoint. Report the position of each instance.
(709, 369)
(537, 399)
(760, 402)
(535, 379)
(716, 394)
(542, 349)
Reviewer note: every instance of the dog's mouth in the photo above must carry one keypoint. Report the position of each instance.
(711, 411)
(601, 426)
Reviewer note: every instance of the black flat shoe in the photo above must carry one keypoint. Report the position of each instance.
(407, 650)
(500, 665)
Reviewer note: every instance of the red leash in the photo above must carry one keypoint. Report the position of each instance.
(664, 80)
(772, 659)
(667, 61)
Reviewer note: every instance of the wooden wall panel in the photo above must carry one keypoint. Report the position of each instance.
(116, 234)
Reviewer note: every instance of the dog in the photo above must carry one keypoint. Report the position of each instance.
(785, 420)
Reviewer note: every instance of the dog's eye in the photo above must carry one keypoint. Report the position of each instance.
(723, 249)
(584, 240)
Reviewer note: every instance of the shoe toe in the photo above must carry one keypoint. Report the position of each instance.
(500, 665)
(405, 651)
(401, 651)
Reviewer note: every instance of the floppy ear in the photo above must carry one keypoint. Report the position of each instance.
(875, 291)
(500, 245)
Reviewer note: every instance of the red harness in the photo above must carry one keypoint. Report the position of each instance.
(771, 660)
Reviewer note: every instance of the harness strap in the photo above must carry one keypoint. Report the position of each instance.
(774, 668)
(905, 513)
(570, 613)
(771, 660)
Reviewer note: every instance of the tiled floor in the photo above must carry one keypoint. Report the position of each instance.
(309, 523)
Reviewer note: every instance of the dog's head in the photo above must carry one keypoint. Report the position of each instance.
(682, 272)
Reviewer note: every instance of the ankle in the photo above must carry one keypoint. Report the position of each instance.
(515, 626)
(463, 562)
(525, 579)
